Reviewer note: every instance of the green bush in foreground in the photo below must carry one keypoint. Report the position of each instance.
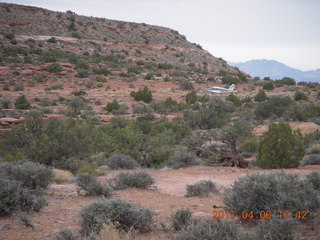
(116, 210)
(201, 188)
(280, 229)
(207, 229)
(273, 192)
(21, 186)
(31, 175)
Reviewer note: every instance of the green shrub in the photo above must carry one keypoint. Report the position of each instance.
(191, 97)
(298, 96)
(121, 161)
(183, 159)
(280, 229)
(78, 93)
(87, 168)
(201, 188)
(82, 64)
(314, 180)
(280, 147)
(101, 71)
(64, 234)
(249, 146)
(9, 36)
(159, 157)
(101, 79)
(10, 195)
(133, 179)
(18, 87)
(31, 200)
(31, 175)
(112, 106)
(261, 96)
(181, 218)
(274, 106)
(21, 186)
(22, 103)
(268, 86)
(54, 68)
(272, 191)
(144, 95)
(213, 114)
(285, 81)
(75, 34)
(186, 85)
(312, 159)
(52, 40)
(230, 79)
(211, 229)
(82, 73)
(90, 184)
(235, 100)
(116, 210)
(134, 70)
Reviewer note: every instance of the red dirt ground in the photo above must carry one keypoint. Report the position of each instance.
(166, 197)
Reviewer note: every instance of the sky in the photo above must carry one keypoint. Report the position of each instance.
(236, 30)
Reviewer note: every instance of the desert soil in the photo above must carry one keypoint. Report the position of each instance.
(165, 198)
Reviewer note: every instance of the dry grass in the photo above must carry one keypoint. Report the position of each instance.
(111, 231)
(62, 176)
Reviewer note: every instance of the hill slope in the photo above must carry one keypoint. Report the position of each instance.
(159, 44)
(276, 70)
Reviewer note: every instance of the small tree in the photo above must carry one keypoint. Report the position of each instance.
(280, 147)
(300, 96)
(54, 68)
(235, 100)
(22, 103)
(261, 96)
(112, 106)
(191, 97)
(144, 95)
(268, 86)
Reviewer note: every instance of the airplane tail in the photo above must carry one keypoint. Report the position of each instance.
(232, 87)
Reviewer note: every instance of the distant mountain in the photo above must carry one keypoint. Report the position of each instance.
(276, 70)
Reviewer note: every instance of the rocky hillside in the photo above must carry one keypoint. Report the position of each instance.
(63, 63)
(135, 41)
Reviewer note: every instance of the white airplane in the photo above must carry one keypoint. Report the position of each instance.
(221, 89)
